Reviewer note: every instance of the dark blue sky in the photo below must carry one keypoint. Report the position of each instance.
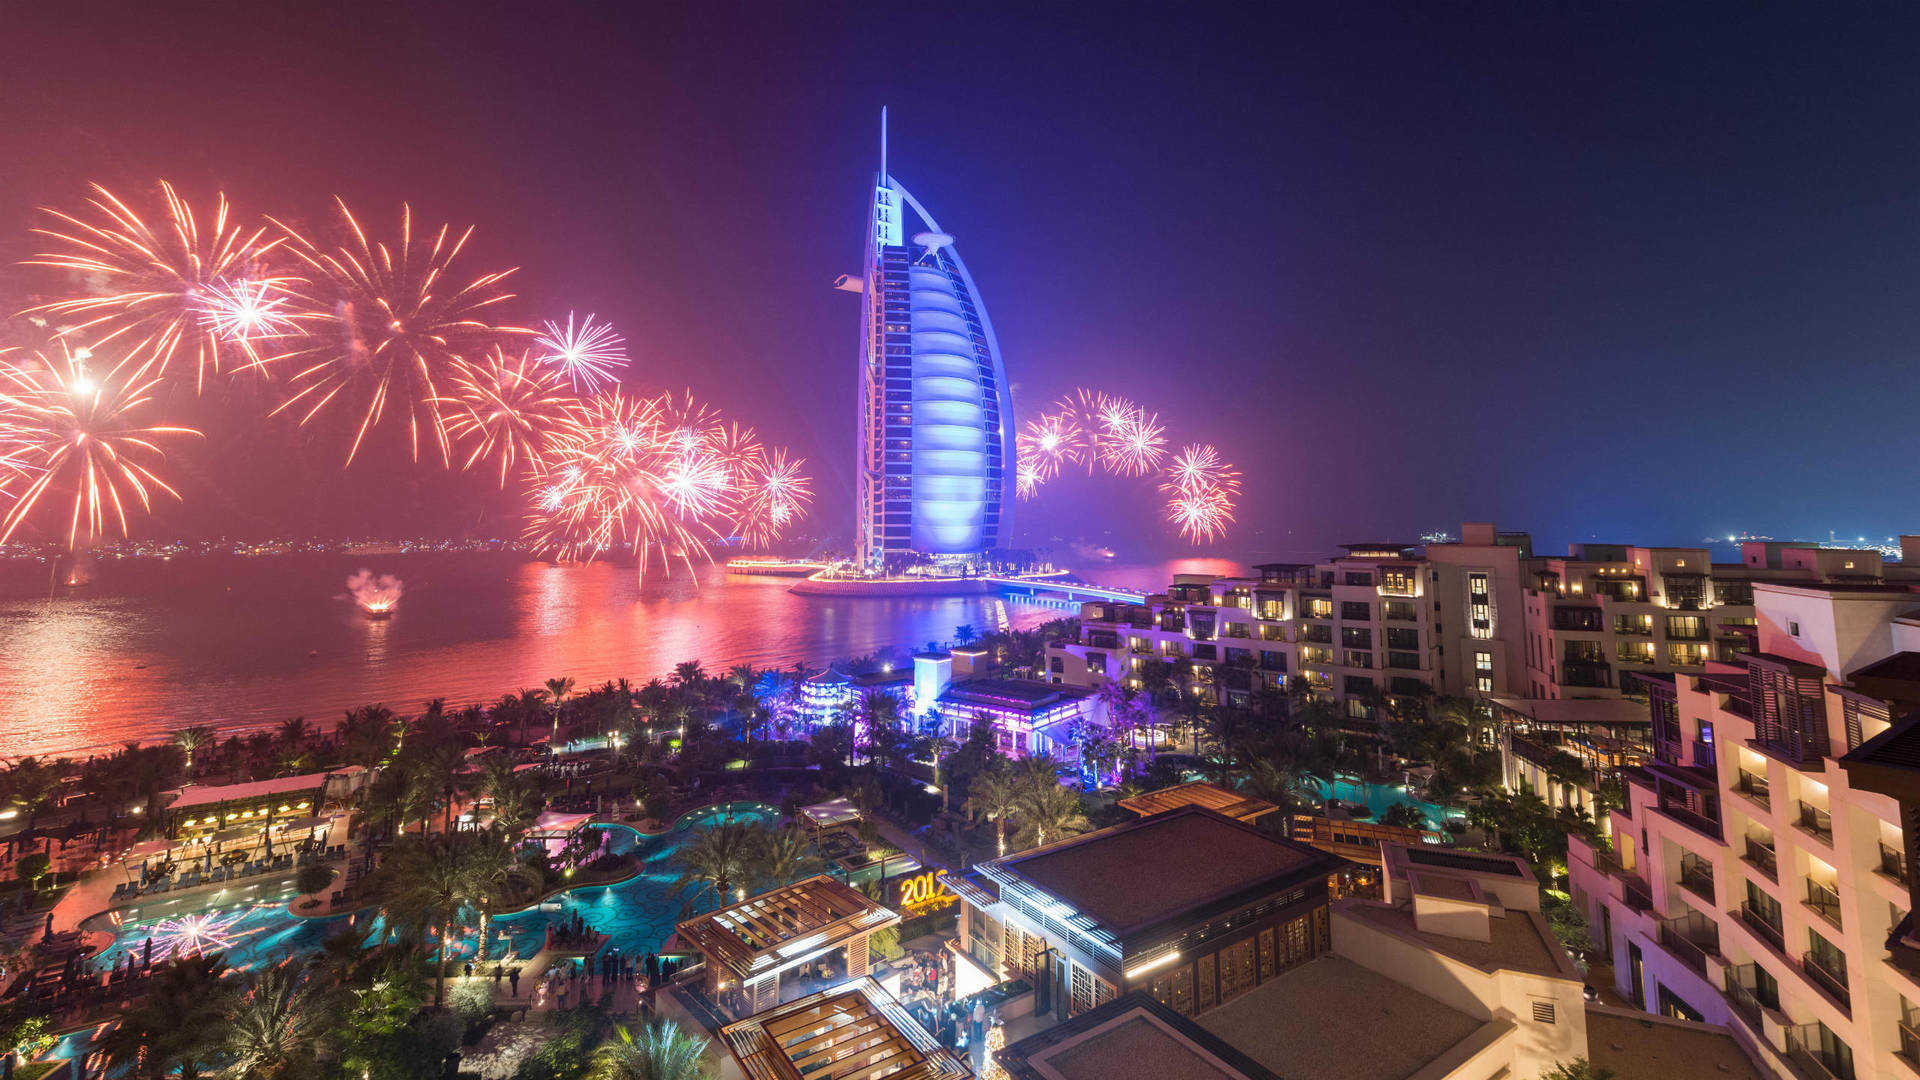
(1638, 272)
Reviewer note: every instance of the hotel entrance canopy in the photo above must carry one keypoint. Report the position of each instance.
(855, 1031)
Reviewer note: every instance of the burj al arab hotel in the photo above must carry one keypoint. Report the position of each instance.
(936, 438)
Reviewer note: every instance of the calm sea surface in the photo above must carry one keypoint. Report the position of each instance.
(147, 646)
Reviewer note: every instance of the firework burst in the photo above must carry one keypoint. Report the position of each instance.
(166, 290)
(1201, 488)
(508, 409)
(590, 354)
(776, 495)
(386, 326)
(77, 433)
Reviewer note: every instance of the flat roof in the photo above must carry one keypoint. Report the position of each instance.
(1639, 1046)
(1516, 942)
(765, 932)
(1198, 793)
(1020, 693)
(208, 794)
(1304, 1023)
(854, 1031)
(1132, 1038)
(1132, 876)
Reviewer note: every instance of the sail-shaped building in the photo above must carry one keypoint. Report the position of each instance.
(936, 439)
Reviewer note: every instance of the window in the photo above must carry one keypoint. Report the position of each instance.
(1356, 611)
(1793, 628)
(1357, 658)
(1483, 661)
(1398, 580)
(1402, 637)
(1359, 578)
(1482, 621)
(1097, 662)
(1055, 665)
(1319, 608)
(1407, 661)
(1686, 628)
(1356, 637)
(1484, 684)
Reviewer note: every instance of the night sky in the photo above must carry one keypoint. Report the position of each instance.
(1622, 272)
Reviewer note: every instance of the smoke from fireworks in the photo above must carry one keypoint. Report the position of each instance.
(377, 594)
(164, 290)
(72, 433)
(590, 355)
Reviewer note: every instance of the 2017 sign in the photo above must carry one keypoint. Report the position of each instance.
(926, 892)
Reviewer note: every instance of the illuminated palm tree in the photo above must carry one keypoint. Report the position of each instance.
(718, 857)
(661, 1051)
(1049, 811)
(994, 795)
(178, 1026)
(192, 740)
(559, 690)
(495, 868)
(785, 856)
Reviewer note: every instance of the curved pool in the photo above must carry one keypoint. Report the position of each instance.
(1377, 797)
(253, 926)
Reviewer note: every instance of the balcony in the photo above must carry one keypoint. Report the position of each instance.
(1635, 893)
(1833, 983)
(1824, 900)
(1606, 863)
(1691, 938)
(1760, 856)
(1744, 998)
(1754, 787)
(1588, 674)
(1812, 1059)
(1697, 878)
(1816, 822)
(1767, 930)
(1704, 757)
(1893, 863)
(1909, 1036)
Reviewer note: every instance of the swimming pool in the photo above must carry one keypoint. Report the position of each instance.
(1377, 797)
(253, 926)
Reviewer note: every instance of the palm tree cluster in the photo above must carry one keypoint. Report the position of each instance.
(742, 858)
(437, 884)
(1029, 796)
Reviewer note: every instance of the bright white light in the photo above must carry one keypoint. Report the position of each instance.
(82, 387)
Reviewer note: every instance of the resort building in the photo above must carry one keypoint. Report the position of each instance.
(935, 419)
(749, 945)
(1378, 624)
(854, 1031)
(1606, 611)
(1761, 872)
(1190, 906)
(199, 810)
(1455, 974)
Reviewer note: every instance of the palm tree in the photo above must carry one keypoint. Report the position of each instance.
(994, 794)
(433, 890)
(494, 867)
(785, 856)
(178, 1026)
(965, 634)
(688, 674)
(558, 690)
(1049, 810)
(661, 1051)
(277, 1026)
(293, 732)
(718, 857)
(438, 769)
(29, 784)
(190, 740)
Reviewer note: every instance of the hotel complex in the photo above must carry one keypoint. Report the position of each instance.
(936, 435)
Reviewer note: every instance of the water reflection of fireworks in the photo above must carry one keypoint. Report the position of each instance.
(208, 932)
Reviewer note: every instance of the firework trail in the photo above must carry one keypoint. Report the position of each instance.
(589, 355)
(169, 289)
(507, 409)
(377, 594)
(386, 328)
(81, 434)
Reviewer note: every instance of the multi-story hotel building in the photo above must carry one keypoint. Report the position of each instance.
(936, 443)
(1376, 623)
(1760, 874)
(1606, 611)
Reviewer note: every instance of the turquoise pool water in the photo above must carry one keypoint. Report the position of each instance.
(253, 926)
(1377, 797)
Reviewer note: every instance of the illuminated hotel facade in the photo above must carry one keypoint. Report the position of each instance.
(936, 447)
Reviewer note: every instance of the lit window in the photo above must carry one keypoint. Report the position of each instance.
(1483, 661)
(1485, 684)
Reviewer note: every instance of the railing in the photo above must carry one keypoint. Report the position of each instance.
(1764, 928)
(1909, 1038)
(1761, 857)
(1741, 996)
(1815, 1061)
(1816, 820)
(1833, 982)
(1697, 878)
(1691, 939)
(1703, 756)
(1606, 863)
(1893, 863)
(1636, 893)
(1754, 786)
(1824, 900)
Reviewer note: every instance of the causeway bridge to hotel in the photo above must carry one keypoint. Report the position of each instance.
(1073, 591)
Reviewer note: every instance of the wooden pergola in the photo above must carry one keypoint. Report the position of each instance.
(747, 945)
(855, 1031)
(1199, 793)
